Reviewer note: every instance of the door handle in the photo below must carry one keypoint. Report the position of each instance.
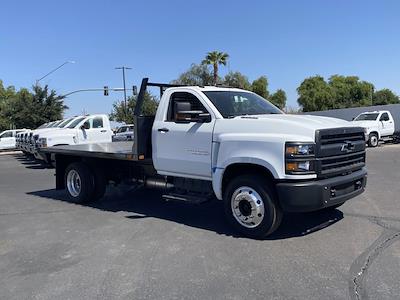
(103, 130)
(163, 130)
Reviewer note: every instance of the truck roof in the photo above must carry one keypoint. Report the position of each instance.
(374, 112)
(208, 88)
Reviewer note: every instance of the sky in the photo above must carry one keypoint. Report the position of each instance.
(287, 41)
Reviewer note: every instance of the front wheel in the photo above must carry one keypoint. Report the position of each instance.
(373, 140)
(250, 205)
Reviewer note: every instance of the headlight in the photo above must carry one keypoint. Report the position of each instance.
(293, 149)
(299, 158)
(42, 142)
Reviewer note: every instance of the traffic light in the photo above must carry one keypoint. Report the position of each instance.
(134, 90)
(105, 90)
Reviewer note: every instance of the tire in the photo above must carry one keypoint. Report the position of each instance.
(373, 140)
(79, 182)
(250, 205)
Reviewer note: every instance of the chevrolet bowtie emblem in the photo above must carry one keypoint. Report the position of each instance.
(347, 147)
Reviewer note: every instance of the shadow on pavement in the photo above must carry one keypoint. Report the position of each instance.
(142, 203)
(30, 162)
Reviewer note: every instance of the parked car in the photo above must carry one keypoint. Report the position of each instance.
(55, 126)
(124, 133)
(8, 139)
(82, 130)
(225, 143)
(31, 141)
(23, 141)
(379, 125)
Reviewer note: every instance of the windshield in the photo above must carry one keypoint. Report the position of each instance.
(49, 125)
(367, 117)
(42, 126)
(236, 103)
(65, 122)
(76, 122)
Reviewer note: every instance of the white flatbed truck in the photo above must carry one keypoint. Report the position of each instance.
(229, 144)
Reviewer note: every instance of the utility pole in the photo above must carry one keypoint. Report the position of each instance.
(123, 68)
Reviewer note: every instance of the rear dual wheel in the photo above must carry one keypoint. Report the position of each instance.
(250, 205)
(83, 183)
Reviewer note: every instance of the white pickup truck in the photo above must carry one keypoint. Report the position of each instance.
(8, 138)
(79, 130)
(225, 143)
(379, 125)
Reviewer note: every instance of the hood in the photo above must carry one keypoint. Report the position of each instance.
(365, 124)
(308, 121)
(57, 133)
(293, 127)
(43, 130)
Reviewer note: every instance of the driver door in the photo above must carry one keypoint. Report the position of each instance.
(183, 147)
(387, 125)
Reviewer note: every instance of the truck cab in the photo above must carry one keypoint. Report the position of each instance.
(379, 125)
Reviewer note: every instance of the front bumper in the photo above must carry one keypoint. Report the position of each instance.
(318, 194)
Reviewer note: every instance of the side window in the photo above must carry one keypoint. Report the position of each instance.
(87, 124)
(187, 100)
(384, 117)
(6, 134)
(122, 129)
(97, 122)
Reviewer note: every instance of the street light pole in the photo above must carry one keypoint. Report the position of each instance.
(123, 68)
(52, 71)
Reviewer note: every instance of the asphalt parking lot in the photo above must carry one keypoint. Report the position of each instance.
(133, 245)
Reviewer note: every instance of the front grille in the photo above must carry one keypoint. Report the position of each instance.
(339, 151)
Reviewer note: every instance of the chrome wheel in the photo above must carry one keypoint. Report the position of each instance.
(247, 207)
(374, 140)
(74, 183)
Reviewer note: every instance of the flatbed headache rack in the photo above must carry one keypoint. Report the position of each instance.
(138, 150)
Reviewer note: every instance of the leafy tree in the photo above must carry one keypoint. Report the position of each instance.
(196, 75)
(315, 94)
(340, 92)
(215, 58)
(149, 108)
(278, 98)
(24, 109)
(385, 96)
(237, 80)
(47, 104)
(6, 93)
(260, 87)
(349, 91)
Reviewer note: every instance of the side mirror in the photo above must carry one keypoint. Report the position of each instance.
(85, 126)
(193, 116)
(185, 114)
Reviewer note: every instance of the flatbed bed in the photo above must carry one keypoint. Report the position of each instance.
(111, 150)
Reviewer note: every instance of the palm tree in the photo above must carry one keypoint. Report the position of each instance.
(215, 59)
